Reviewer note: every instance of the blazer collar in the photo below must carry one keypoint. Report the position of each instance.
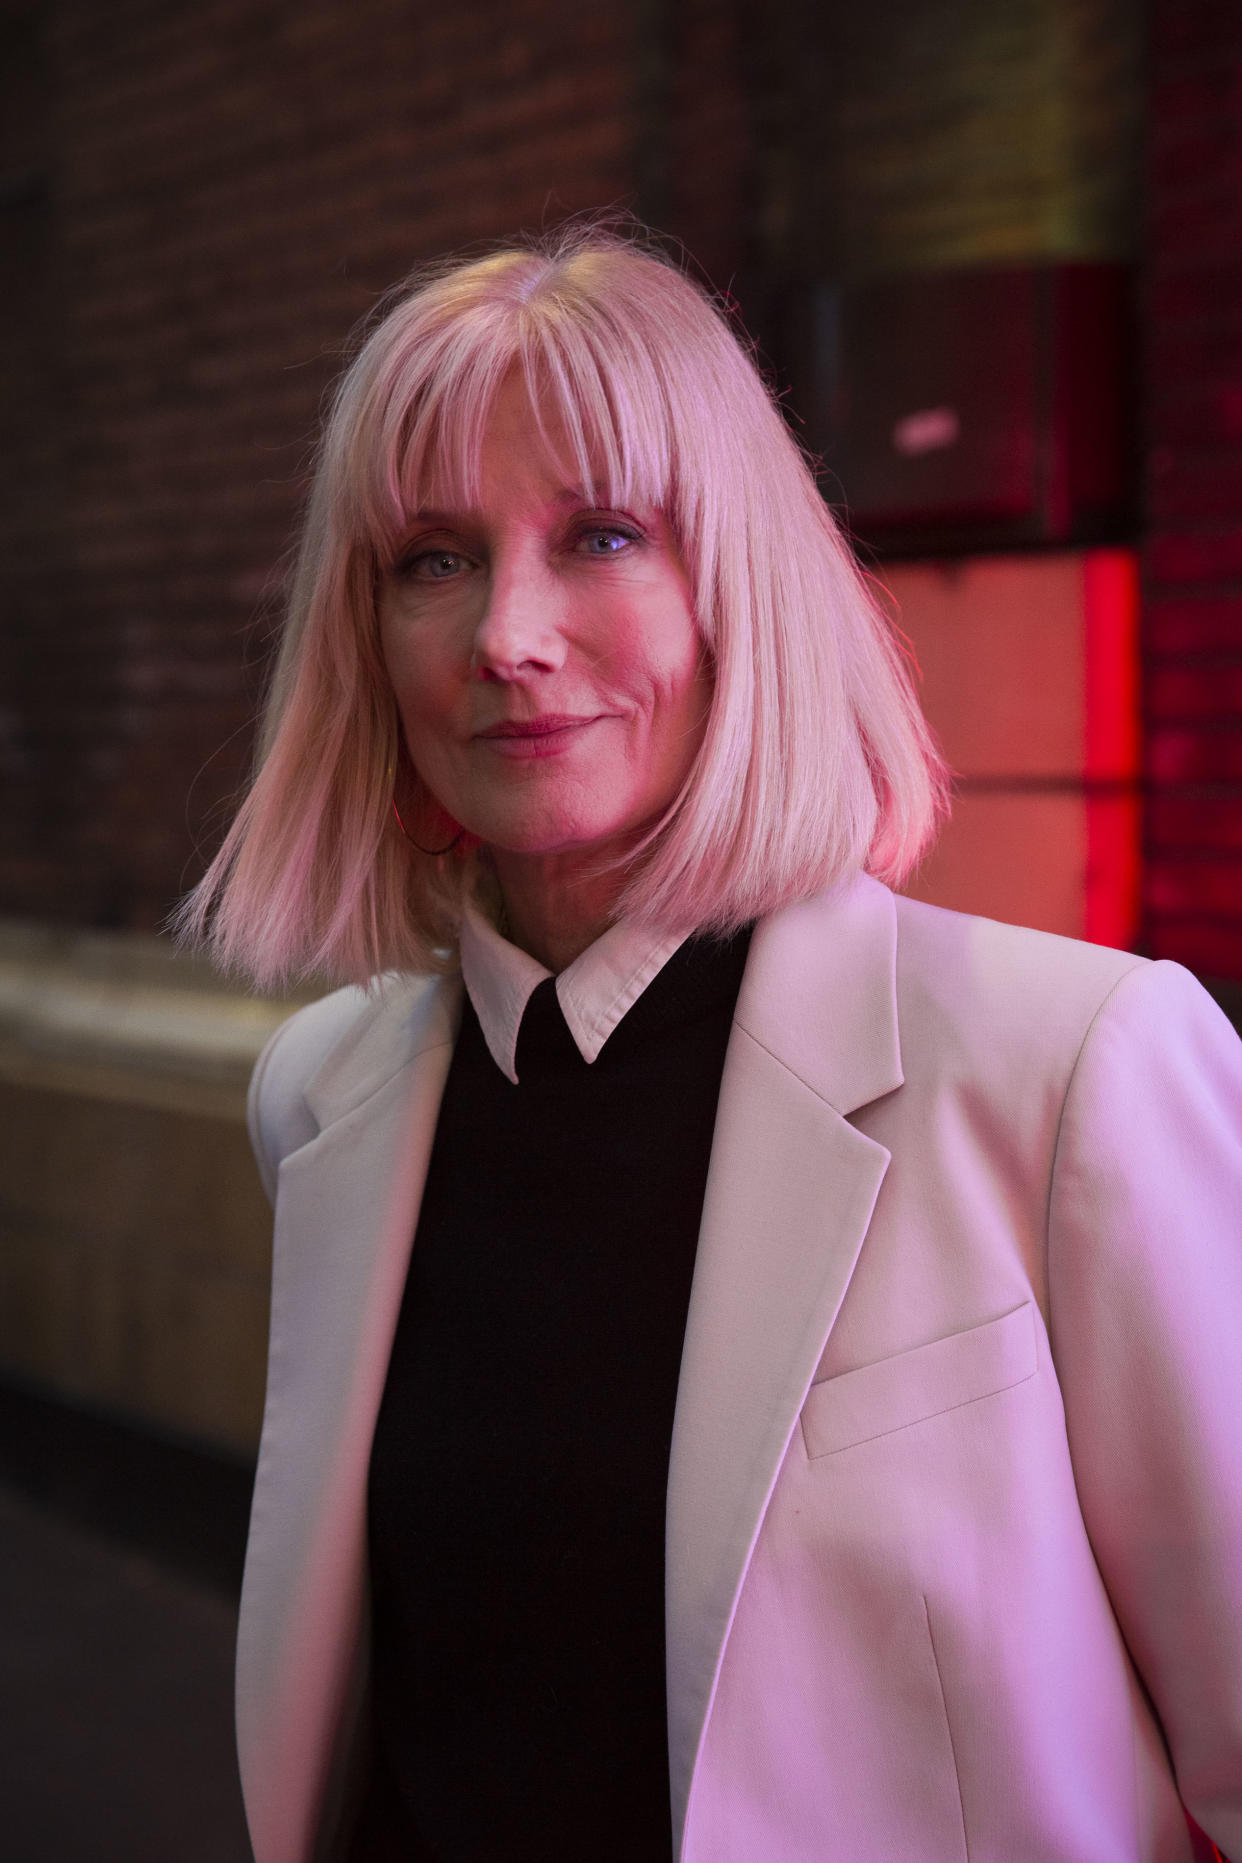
(820, 993)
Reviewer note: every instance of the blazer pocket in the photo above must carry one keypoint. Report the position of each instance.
(911, 1386)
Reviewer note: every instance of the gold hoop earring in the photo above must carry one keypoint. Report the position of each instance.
(432, 853)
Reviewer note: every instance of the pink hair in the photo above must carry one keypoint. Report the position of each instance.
(816, 759)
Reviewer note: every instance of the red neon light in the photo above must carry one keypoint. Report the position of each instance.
(1111, 750)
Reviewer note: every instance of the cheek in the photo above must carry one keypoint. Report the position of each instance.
(687, 684)
(661, 655)
(418, 675)
(394, 654)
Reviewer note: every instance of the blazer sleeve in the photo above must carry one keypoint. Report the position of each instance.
(1145, 1289)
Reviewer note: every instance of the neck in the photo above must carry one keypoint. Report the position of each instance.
(554, 910)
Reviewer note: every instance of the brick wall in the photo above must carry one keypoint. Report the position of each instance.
(1193, 558)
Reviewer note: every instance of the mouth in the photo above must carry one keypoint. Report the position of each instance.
(547, 725)
(545, 736)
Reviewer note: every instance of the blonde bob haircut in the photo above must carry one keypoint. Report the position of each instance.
(815, 761)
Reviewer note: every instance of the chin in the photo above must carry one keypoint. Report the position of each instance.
(558, 836)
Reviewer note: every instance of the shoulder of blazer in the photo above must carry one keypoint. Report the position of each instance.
(372, 1028)
(996, 994)
(857, 986)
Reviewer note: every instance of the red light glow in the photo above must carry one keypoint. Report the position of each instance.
(1111, 750)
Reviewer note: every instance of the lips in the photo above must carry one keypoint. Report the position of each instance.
(543, 726)
(534, 740)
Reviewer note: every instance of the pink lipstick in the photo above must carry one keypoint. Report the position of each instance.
(544, 736)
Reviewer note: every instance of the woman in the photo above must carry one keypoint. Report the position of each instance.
(811, 1398)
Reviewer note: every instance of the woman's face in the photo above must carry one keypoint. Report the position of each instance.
(543, 652)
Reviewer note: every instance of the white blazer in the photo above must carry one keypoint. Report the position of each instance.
(954, 1532)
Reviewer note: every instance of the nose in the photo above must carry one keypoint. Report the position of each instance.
(520, 631)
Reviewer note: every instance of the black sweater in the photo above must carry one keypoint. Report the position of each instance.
(520, 1461)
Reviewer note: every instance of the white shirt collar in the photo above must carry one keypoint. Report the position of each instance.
(594, 992)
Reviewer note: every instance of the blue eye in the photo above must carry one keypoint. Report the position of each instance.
(606, 541)
(433, 565)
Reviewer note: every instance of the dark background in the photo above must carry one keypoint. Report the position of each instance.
(197, 202)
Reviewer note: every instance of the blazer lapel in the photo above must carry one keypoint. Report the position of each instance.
(789, 1197)
(345, 1218)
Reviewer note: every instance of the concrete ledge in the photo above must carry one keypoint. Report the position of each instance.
(122, 1017)
(134, 1235)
